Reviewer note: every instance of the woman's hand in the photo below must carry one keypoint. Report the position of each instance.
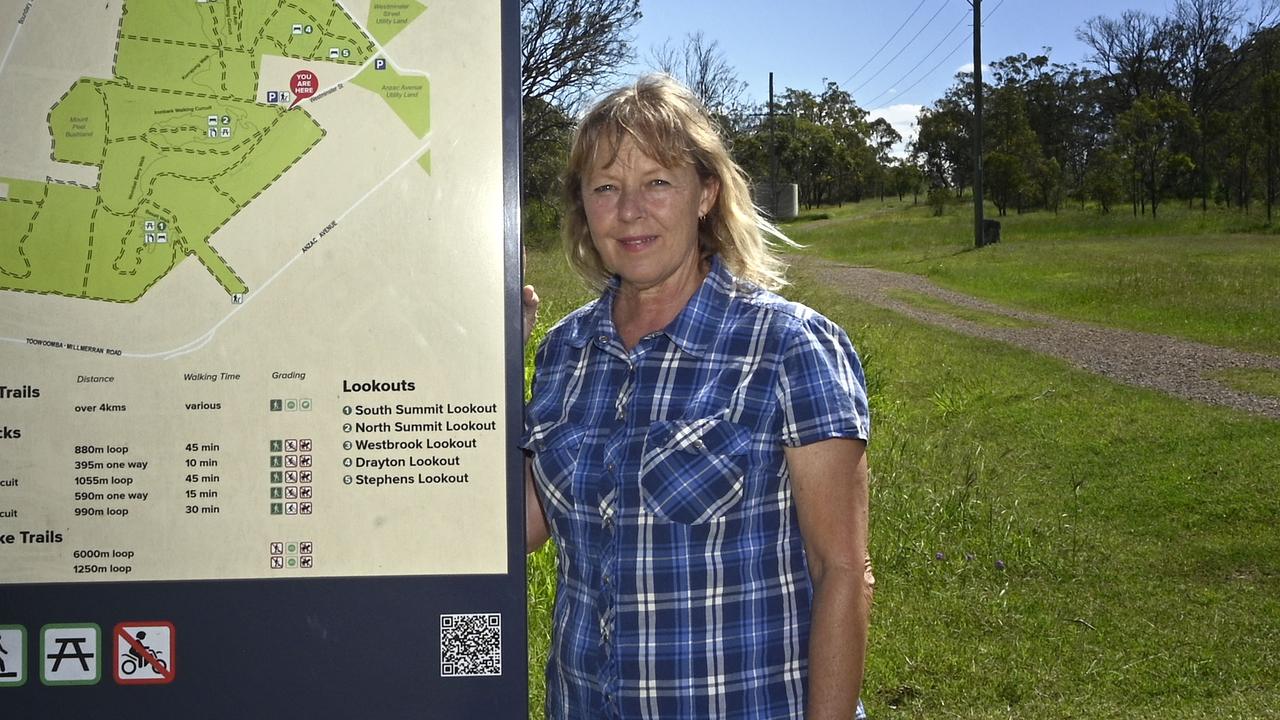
(529, 301)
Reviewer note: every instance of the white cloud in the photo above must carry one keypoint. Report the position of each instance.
(903, 119)
(968, 68)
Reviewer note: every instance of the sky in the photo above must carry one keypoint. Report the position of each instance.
(806, 43)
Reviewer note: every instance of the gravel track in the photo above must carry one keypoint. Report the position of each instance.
(1171, 365)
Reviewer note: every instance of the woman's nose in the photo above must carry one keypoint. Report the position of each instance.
(631, 205)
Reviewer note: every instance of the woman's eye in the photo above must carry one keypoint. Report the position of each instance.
(659, 182)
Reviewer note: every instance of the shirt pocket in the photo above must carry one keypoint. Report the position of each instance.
(692, 471)
(555, 455)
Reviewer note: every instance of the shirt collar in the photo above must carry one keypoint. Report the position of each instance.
(693, 330)
(697, 326)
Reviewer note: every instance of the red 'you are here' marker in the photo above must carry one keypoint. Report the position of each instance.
(303, 85)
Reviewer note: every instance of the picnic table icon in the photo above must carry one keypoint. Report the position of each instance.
(3, 672)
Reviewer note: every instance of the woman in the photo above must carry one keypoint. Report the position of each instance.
(696, 444)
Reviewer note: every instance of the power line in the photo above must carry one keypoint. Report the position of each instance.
(926, 74)
(928, 55)
(886, 43)
(904, 47)
(945, 58)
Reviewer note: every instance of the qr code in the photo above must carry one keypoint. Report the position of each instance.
(470, 645)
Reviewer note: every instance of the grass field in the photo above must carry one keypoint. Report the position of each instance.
(928, 302)
(1048, 544)
(1259, 381)
(1212, 277)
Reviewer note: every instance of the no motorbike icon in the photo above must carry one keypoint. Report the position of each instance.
(144, 652)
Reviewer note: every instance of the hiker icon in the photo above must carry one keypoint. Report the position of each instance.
(132, 660)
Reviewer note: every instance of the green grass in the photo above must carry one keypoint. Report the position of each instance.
(1212, 277)
(929, 302)
(1106, 551)
(1258, 381)
(1140, 576)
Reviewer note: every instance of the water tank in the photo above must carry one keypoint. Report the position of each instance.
(779, 202)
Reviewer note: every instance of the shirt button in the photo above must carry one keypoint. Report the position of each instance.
(603, 339)
(699, 445)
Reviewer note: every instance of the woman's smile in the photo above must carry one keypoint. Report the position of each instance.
(643, 218)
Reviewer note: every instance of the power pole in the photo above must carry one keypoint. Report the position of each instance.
(978, 239)
(773, 156)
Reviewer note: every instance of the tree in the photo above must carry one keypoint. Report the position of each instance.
(1154, 132)
(570, 49)
(1004, 178)
(881, 137)
(1232, 150)
(810, 157)
(1014, 159)
(1048, 179)
(702, 67)
(1267, 113)
(824, 143)
(906, 177)
(1259, 117)
(1208, 69)
(1105, 179)
(543, 161)
(1139, 51)
(1062, 108)
(943, 144)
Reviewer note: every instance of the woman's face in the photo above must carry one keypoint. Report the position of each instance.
(643, 219)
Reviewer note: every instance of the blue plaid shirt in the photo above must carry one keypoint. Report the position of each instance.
(682, 585)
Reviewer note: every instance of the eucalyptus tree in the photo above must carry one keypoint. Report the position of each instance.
(1153, 134)
(1138, 51)
(1014, 157)
(944, 146)
(1208, 71)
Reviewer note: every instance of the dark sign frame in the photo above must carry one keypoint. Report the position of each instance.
(359, 647)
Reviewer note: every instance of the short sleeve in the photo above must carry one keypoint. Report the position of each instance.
(539, 392)
(821, 390)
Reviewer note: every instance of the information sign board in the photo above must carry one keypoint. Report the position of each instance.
(259, 358)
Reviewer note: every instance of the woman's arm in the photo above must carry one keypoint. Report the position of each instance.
(535, 523)
(829, 484)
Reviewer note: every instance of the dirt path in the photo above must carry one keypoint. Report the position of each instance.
(1171, 365)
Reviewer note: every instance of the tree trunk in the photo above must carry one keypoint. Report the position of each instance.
(1201, 172)
(1135, 191)
(1152, 188)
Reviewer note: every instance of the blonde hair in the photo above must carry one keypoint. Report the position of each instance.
(671, 126)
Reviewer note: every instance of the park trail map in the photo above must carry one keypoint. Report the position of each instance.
(251, 289)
